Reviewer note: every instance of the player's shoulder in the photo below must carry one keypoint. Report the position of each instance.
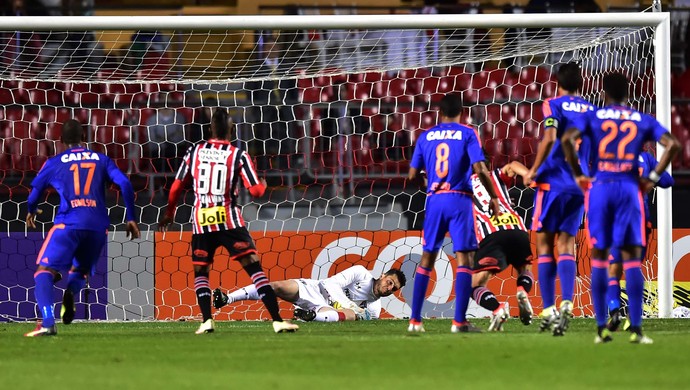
(360, 270)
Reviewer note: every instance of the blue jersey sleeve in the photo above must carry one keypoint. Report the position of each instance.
(551, 114)
(473, 149)
(650, 163)
(418, 155)
(116, 176)
(658, 130)
(39, 184)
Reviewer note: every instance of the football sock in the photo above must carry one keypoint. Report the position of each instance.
(203, 294)
(547, 280)
(421, 282)
(526, 280)
(246, 293)
(485, 298)
(463, 290)
(44, 297)
(634, 285)
(566, 273)
(599, 286)
(329, 316)
(264, 289)
(613, 294)
(75, 282)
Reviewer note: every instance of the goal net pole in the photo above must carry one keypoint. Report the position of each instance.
(658, 21)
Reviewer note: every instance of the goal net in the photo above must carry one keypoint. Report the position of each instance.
(330, 116)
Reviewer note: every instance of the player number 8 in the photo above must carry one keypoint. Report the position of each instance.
(442, 155)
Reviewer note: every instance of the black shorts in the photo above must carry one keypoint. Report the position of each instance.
(503, 248)
(238, 242)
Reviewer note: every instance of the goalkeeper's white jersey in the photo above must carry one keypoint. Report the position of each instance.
(355, 284)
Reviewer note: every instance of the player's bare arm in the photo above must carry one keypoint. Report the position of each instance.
(485, 177)
(672, 148)
(543, 149)
(514, 168)
(568, 142)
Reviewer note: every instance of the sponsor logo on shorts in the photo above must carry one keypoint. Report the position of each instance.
(488, 262)
(200, 253)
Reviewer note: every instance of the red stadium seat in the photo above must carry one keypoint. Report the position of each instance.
(493, 146)
(510, 147)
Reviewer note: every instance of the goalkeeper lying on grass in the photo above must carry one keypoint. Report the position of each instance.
(352, 294)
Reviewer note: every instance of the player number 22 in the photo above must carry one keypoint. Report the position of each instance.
(442, 155)
(611, 128)
(212, 178)
(91, 167)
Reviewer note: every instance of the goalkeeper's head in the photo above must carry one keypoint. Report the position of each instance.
(72, 132)
(569, 77)
(221, 125)
(390, 282)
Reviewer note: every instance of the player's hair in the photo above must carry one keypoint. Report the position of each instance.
(72, 132)
(616, 86)
(451, 105)
(569, 77)
(401, 276)
(219, 124)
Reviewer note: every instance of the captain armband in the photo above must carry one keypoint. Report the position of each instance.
(551, 122)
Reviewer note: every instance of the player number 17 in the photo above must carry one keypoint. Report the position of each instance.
(91, 167)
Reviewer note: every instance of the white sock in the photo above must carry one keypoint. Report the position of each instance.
(327, 316)
(244, 294)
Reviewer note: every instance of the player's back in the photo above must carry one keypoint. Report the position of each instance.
(487, 223)
(447, 153)
(79, 176)
(618, 135)
(562, 112)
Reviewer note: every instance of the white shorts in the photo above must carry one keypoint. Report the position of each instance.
(310, 295)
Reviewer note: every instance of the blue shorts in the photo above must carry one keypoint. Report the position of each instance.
(557, 212)
(449, 212)
(615, 215)
(64, 248)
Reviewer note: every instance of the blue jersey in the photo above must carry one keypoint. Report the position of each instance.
(447, 152)
(560, 113)
(80, 177)
(647, 164)
(618, 134)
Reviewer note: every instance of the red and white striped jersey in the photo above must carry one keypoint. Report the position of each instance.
(215, 167)
(485, 223)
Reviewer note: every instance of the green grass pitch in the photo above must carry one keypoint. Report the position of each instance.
(357, 355)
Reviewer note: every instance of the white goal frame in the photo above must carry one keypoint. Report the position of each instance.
(659, 21)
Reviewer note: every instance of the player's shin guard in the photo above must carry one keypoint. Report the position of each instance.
(266, 293)
(634, 285)
(599, 286)
(547, 280)
(421, 282)
(485, 298)
(44, 297)
(526, 280)
(613, 294)
(567, 269)
(463, 290)
(76, 282)
(203, 294)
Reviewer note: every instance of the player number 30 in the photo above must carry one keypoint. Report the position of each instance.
(212, 178)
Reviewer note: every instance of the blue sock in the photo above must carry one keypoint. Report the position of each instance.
(613, 294)
(75, 282)
(463, 290)
(634, 285)
(567, 268)
(600, 274)
(547, 280)
(44, 297)
(421, 282)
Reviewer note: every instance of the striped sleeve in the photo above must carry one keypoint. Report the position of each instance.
(184, 170)
(247, 170)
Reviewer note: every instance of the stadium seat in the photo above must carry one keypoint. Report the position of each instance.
(493, 146)
(510, 147)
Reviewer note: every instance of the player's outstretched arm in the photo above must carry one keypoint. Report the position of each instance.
(485, 178)
(514, 168)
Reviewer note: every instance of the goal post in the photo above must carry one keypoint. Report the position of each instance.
(338, 63)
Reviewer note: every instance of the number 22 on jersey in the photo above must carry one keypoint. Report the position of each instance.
(611, 128)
